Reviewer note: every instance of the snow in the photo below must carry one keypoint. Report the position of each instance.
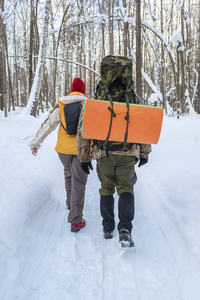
(176, 38)
(157, 93)
(40, 258)
(100, 18)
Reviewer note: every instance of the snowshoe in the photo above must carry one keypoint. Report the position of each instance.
(125, 238)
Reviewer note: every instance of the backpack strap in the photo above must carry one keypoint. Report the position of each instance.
(63, 126)
(127, 119)
(113, 114)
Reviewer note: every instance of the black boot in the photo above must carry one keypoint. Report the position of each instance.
(125, 238)
(107, 213)
(126, 211)
(126, 215)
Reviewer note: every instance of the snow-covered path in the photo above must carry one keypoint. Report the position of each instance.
(40, 259)
(165, 266)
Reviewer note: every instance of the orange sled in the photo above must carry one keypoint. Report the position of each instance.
(144, 127)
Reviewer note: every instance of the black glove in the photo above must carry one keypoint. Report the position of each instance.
(143, 161)
(86, 166)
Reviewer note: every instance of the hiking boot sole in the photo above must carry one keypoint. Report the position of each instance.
(127, 244)
(108, 235)
(76, 229)
(125, 240)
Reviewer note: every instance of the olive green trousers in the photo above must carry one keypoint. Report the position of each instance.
(116, 171)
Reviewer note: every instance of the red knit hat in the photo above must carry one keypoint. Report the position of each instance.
(78, 86)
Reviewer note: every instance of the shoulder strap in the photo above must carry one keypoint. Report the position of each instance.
(63, 126)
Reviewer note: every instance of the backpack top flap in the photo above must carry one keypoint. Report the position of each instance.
(116, 68)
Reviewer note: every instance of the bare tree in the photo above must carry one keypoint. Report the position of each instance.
(110, 21)
(56, 53)
(198, 65)
(138, 50)
(30, 65)
(163, 72)
(102, 30)
(35, 91)
(125, 34)
(182, 58)
(3, 100)
(93, 29)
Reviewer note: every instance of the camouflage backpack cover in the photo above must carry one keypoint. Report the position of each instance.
(116, 85)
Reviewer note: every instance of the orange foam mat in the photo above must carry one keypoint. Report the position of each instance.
(145, 122)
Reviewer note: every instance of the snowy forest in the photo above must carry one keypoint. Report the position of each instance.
(45, 44)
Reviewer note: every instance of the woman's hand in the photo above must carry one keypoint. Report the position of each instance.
(34, 151)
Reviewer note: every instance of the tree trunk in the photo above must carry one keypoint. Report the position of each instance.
(178, 86)
(15, 75)
(189, 45)
(36, 37)
(125, 33)
(110, 16)
(56, 53)
(163, 71)
(3, 99)
(182, 93)
(35, 91)
(30, 65)
(138, 50)
(102, 31)
(10, 92)
(198, 95)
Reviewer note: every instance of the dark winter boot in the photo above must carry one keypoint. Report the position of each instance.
(125, 238)
(108, 235)
(107, 213)
(126, 211)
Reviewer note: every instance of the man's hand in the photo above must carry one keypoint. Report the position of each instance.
(34, 151)
(86, 166)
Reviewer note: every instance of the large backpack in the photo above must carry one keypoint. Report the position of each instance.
(116, 85)
(72, 112)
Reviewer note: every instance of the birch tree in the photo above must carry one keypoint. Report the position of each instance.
(31, 107)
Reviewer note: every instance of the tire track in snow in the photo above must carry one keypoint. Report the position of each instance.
(41, 233)
(118, 274)
(155, 268)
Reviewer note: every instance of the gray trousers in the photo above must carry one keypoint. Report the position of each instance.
(75, 182)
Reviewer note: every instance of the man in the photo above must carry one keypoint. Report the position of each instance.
(115, 163)
(75, 177)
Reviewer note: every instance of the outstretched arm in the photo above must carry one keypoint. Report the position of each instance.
(47, 126)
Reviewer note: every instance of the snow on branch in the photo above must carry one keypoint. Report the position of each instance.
(153, 87)
(74, 62)
(178, 40)
(161, 37)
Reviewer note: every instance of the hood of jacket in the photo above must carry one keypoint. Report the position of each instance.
(73, 97)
